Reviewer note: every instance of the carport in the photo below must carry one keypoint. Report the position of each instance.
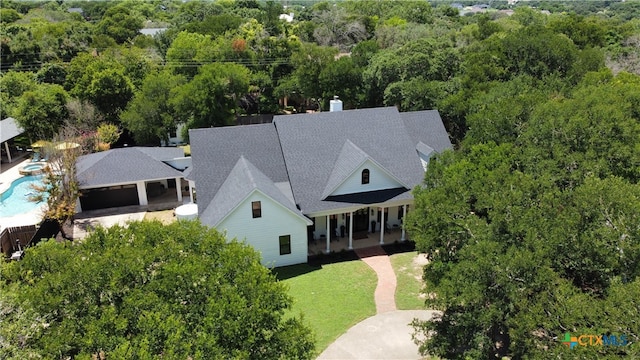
(128, 176)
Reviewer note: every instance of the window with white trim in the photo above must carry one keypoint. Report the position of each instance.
(256, 209)
(365, 176)
(285, 244)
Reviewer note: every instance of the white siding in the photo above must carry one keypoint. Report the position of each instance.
(378, 180)
(263, 233)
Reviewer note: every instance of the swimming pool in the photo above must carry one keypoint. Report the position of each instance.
(15, 200)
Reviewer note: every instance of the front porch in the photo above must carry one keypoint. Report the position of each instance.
(364, 240)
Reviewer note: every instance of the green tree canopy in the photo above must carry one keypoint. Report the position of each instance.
(148, 291)
(536, 235)
(42, 111)
(12, 85)
(211, 97)
(150, 117)
(119, 23)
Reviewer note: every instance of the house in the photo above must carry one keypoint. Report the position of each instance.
(142, 176)
(310, 177)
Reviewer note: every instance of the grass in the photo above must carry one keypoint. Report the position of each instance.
(331, 298)
(409, 278)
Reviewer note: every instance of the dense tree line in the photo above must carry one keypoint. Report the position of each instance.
(410, 54)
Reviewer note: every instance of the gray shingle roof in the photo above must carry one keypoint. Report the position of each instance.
(310, 154)
(188, 172)
(427, 127)
(126, 165)
(243, 180)
(217, 150)
(311, 144)
(9, 129)
(349, 159)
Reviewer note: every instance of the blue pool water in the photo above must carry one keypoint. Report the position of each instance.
(15, 200)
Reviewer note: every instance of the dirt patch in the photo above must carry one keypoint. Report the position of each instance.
(420, 260)
(165, 216)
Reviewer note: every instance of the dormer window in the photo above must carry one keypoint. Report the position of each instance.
(365, 176)
(256, 208)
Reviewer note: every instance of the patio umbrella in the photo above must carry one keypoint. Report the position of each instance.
(67, 145)
(40, 144)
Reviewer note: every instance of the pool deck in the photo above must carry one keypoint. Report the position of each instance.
(10, 172)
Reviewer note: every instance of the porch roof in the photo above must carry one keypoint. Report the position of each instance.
(369, 197)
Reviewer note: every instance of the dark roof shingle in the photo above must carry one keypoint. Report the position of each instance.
(311, 144)
(217, 150)
(243, 179)
(126, 165)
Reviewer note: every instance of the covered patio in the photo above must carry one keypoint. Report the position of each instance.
(317, 247)
(9, 129)
(360, 227)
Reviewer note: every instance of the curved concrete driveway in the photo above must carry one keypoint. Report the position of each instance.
(383, 336)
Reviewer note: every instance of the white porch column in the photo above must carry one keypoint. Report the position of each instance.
(78, 206)
(351, 230)
(142, 193)
(404, 216)
(328, 236)
(382, 226)
(191, 191)
(6, 147)
(179, 189)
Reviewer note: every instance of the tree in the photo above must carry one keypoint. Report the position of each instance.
(428, 59)
(335, 27)
(211, 98)
(110, 91)
(104, 81)
(150, 116)
(528, 236)
(19, 49)
(149, 291)
(188, 51)
(12, 85)
(42, 112)
(309, 61)
(61, 187)
(83, 115)
(107, 134)
(120, 24)
(8, 16)
(344, 79)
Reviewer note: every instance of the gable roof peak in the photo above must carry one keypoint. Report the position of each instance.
(349, 159)
(242, 181)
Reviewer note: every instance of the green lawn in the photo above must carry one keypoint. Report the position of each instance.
(332, 298)
(409, 277)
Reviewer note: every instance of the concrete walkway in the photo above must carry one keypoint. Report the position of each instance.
(384, 336)
(387, 335)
